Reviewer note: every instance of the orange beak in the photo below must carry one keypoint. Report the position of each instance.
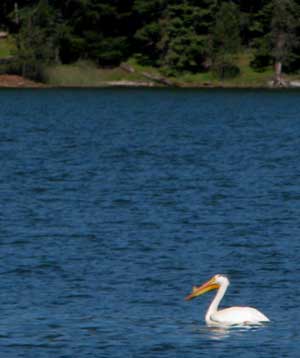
(207, 286)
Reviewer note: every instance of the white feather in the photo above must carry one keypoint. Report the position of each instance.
(233, 315)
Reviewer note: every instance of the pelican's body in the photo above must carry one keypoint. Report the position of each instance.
(228, 316)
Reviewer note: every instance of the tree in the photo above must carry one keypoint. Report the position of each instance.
(175, 35)
(100, 30)
(226, 41)
(37, 39)
(276, 38)
(261, 37)
(283, 37)
(148, 15)
(183, 48)
(177, 40)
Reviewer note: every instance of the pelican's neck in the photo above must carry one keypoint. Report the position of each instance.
(213, 308)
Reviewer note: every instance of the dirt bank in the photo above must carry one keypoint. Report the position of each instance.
(14, 81)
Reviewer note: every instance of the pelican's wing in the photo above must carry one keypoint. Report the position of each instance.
(239, 315)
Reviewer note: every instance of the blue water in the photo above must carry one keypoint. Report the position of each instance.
(115, 202)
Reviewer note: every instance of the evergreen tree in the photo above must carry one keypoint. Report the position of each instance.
(226, 41)
(175, 35)
(261, 39)
(283, 37)
(148, 16)
(178, 40)
(276, 42)
(182, 47)
(98, 29)
(37, 39)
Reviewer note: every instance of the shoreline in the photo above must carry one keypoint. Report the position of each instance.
(17, 82)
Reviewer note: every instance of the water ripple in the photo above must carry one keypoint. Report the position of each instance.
(115, 202)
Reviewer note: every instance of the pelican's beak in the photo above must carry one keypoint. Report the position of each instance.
(207, 286)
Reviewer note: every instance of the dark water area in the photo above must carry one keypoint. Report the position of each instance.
(115, 202)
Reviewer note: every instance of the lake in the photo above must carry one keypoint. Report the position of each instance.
(115, 202)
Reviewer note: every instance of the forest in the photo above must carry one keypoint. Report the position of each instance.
(174, 36)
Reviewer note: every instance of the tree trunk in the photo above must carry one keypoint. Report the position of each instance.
(17, 20)
(278, 80)
(280, 49)
(56, 55)
(278, 69)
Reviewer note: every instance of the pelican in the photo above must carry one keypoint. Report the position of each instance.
(228, 316)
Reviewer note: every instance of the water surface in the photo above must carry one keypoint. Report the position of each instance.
(115, 202)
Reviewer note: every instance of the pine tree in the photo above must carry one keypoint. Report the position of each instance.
(226, 41)
(36, 39)
(183, 46)
(283, 37)
(176, 36)
(148, 15)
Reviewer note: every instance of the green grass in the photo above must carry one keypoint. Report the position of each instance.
(247, 78)
(142, 68)
(86, 74)
(6, 47)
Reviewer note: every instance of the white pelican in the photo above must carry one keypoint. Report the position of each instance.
(228, 316)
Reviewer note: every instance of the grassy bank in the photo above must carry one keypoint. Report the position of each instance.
(6, 47)
(248, 76)
(87, 74)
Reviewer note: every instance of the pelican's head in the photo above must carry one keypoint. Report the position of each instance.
(212, 284)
